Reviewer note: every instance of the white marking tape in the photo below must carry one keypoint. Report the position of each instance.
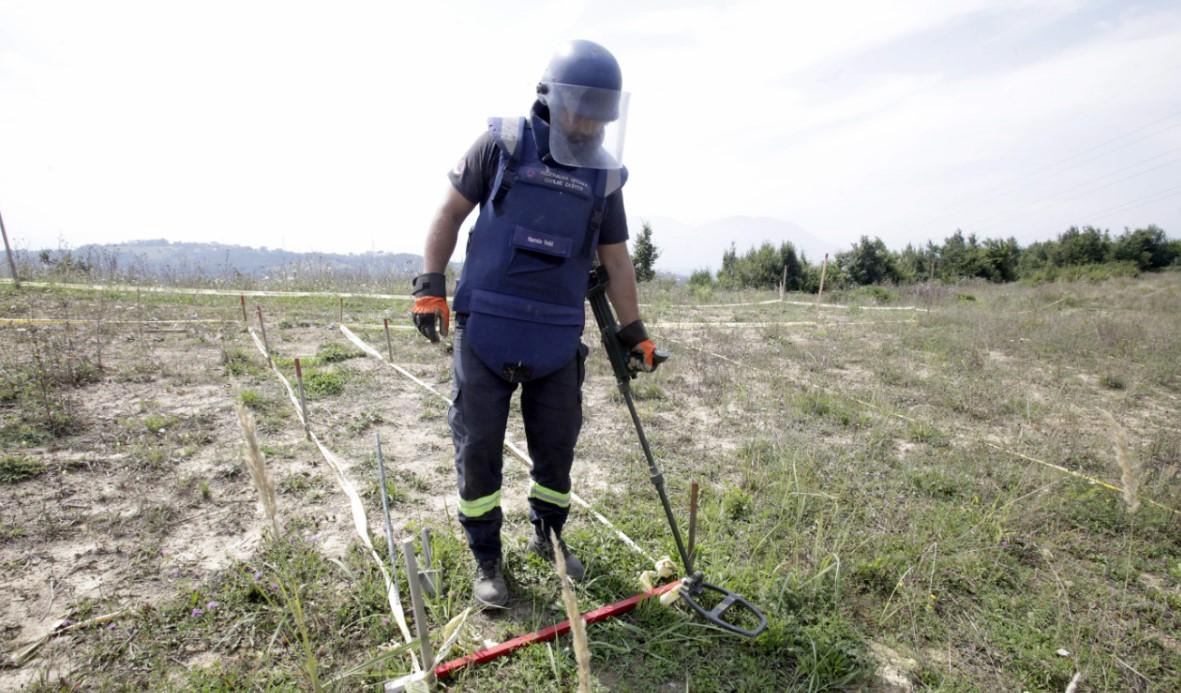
(879, 410)
(774, 301)
(800, 323)
(360, 521)
(202, 292)
(518, 452)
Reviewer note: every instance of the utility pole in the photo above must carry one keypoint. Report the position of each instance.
(8, 249)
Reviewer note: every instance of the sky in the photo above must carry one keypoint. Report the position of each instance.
(330, 127)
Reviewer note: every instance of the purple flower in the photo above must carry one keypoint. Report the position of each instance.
(257, 575)
(212, 605)
(65, 623)
(112, 626)
(198, 612)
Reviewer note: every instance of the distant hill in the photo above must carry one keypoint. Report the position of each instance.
(685, 248)
(159, 257)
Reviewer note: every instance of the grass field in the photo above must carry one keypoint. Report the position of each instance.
(980, 494)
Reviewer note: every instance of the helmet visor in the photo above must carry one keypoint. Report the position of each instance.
(587, 125)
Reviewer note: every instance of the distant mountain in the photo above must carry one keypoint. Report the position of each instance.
(684, 248)
(161, 257)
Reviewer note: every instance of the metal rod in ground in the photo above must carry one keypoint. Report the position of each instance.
(420, 624)
(303, 402)
(385, 509)
(546, 634)
(428, 574)
(242, 302)
(263, 329)
(16, 281)
(389, 345)
(693, 489)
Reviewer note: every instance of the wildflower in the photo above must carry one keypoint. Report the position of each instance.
(198, 612)
(212, 605)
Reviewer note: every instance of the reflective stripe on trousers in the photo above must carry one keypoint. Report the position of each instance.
(551, 408)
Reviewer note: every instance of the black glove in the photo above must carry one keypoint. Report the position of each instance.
(642, 353)
(430, 304)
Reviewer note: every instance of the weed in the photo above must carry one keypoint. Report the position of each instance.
(253, 400)
(922, 432)
(237, 362)
(363, 421)
(334, 352)
(319, 384)
(14, 468)
(159, 423)
(1113, 381)
(736, 503)
(9, 532)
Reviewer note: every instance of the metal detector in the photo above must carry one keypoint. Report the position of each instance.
(710, 601)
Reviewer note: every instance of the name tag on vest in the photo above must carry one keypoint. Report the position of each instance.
(528, 239)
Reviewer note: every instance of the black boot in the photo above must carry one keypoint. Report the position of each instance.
(489, 587)
(542, 547)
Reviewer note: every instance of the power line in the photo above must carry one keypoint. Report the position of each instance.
(1076, 159)
(1070, 193)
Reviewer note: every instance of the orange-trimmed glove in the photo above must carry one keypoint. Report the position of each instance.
(642, 355)
(430, 313)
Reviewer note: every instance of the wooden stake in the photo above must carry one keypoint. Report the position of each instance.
(242, 302)
(16, 281)
(303, 402)
(823, 274)
(263, 329)
(783, 285)
(693, 489)
(388, 344)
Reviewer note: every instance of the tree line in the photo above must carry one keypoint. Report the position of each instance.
(1076, 253)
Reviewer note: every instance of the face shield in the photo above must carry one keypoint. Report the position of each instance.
(587, 125)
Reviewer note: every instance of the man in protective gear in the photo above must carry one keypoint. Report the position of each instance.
(549, 190)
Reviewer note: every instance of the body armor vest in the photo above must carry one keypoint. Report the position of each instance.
(524, 276)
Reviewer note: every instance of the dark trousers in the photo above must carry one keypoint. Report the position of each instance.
(551, 407)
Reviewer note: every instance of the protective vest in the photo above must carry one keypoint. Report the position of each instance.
(524, 276)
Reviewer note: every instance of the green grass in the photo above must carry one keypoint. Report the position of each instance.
(852, 526)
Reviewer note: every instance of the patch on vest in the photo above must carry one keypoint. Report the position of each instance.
(551, 178)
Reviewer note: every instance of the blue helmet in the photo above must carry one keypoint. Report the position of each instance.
(588, 65)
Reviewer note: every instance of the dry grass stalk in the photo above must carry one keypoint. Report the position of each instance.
(577, 624)
(258, 467)
(1129, 467)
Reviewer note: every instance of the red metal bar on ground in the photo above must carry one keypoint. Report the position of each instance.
(546, 634)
